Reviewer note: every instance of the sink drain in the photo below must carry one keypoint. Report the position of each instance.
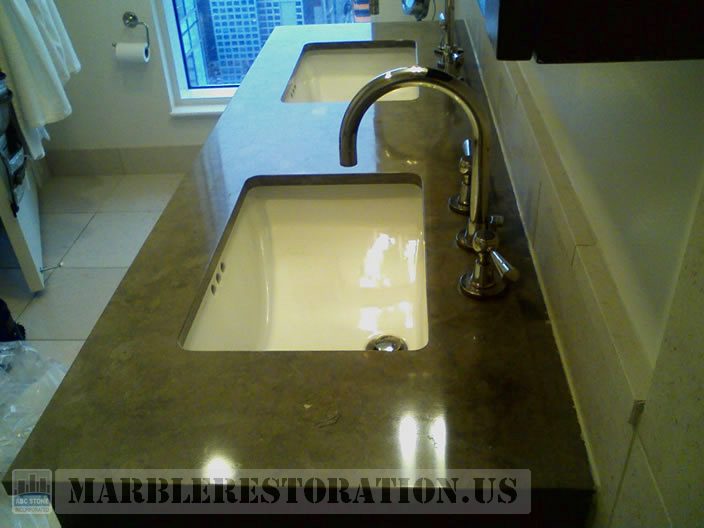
(387, 343)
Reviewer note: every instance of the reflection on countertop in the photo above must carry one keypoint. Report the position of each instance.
(488, 391)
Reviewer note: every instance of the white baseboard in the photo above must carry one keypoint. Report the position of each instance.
(141, 160)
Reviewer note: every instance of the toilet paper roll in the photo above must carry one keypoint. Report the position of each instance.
(132, 52)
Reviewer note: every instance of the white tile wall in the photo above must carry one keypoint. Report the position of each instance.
(523, 160)
(639, 503)
(600, 387)
(595, 338)
(672, 427)
(575, 222)
(602, 399)
(630, 353)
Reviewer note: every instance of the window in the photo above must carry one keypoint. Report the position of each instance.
(209, 45)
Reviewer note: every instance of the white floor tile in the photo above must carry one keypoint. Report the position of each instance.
(96, 226)
(62, 351)
(142, 192)
(83, 194)
(70, 305)
(14, 291)
(59, 232)
(111, 240)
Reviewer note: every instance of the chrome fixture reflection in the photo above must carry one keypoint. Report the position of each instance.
(387, 343)
(450, 56)
(417, 8)
(478, 166)
(459, 202)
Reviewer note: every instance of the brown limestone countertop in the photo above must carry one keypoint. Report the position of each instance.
(134, 399)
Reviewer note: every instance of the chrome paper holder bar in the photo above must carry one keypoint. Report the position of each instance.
(131, 20)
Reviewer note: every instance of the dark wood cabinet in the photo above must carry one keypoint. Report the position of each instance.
(595, 30)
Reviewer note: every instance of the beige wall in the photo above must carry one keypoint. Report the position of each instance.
(120, 121)
(114, 105)
(630, 136)
(117, 106)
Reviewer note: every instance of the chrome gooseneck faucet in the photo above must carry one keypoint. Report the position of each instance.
(443, 82)
(487, 277)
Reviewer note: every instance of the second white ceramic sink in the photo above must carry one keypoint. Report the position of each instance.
(318, 267)
(335, 71)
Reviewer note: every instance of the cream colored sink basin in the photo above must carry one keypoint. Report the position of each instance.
(317, 267)
(335, 71)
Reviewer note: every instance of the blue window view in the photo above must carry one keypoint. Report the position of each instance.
(221, 38)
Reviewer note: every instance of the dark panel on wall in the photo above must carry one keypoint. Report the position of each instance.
(511, 27)
(614, 30)
(595, 30)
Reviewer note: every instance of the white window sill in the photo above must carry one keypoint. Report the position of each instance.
(197, 110)
(202, 102)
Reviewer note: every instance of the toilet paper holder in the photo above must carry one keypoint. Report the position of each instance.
(131, 20)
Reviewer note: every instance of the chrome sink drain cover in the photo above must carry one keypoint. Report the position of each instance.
(387, 343)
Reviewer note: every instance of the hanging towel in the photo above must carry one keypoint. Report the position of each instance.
(38, 58)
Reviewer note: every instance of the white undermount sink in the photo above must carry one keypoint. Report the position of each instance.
(317, 267)
(335, 71)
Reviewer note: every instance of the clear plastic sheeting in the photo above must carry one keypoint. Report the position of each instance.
(27, 383)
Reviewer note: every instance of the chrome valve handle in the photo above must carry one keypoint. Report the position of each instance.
(491, 270)
(505, 269)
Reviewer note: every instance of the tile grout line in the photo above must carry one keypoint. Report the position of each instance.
(99, 210)
(51, 274)
(61, 260)
(94, 212)
(59, 266)
(80, 341)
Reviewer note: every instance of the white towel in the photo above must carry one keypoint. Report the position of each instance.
(38, 58)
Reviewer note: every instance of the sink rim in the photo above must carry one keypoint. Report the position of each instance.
(344, 45)
(297, 180)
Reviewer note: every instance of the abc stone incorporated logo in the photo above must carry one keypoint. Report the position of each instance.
(31, 491)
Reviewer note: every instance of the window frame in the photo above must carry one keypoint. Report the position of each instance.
(184, 101)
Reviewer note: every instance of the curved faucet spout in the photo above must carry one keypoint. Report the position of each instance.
(449, 85)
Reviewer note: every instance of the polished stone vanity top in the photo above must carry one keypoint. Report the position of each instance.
(135, 399)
